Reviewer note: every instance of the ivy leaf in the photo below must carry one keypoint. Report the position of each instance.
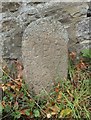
(36, 113)
(17, 114)
(7, 108)
(32, 104)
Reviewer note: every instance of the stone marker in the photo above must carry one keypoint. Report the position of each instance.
(44, 54)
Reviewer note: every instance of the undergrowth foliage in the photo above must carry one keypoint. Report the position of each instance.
(69, 98)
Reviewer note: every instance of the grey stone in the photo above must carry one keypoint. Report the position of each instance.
(7, 25)
(12, 37)
(83, 30)
(12, 46)
(44, 54)
(10, 6)
(16, 16)
(83, 34)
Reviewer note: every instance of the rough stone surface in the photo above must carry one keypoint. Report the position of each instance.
(10, 6)
(16, 16)
(44, 50)
(83, 30)
(83, 34)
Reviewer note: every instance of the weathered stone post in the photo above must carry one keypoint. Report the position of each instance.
(44, 54)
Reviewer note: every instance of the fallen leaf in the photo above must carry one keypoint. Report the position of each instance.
(54, 109)
(4, 87)
(65, 112)
(13, 87)
(59, 96)
(56, 89)
(22, 112)
(81, 65)
(9, 84)
(17, 89)
(3, 103)
(72, 55)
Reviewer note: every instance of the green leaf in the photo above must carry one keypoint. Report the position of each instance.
(27, 112)
(4, 77)
(31, 105)
(11, 97)
(17, 114)
(36, 113)
(7, 108)
(4, 98)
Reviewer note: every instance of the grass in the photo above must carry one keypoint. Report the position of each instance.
(68, 99)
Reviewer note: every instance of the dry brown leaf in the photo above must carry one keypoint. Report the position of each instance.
(4, 87)
(17, 89)
(9, 84)
(54, 109)
(13, 87)
(81, 65)
(59, 96)
(72, 55)
(56, 89)
(23, 112)
(3, 103)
